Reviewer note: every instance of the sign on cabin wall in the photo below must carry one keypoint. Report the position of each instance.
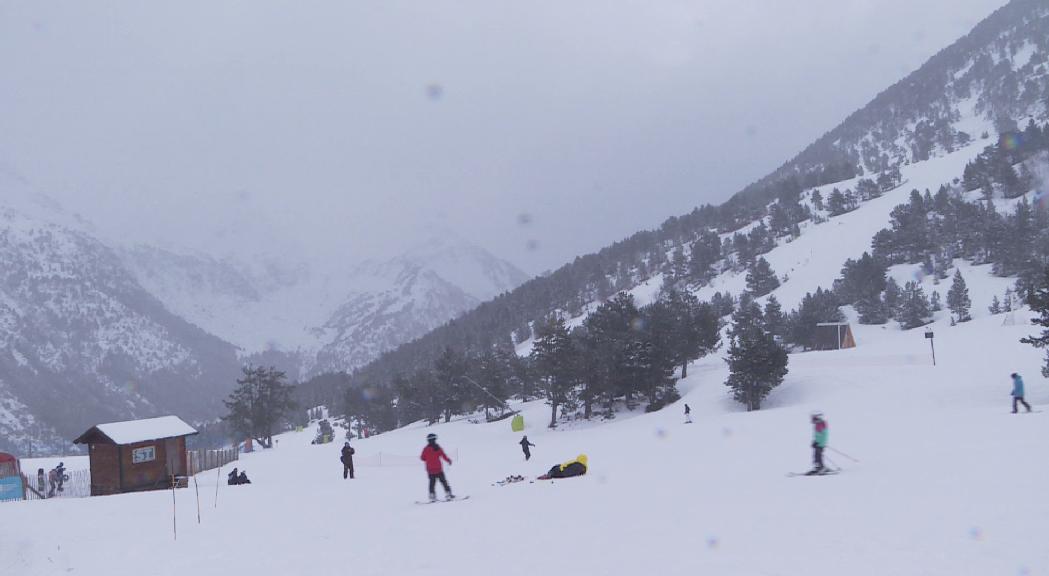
(142, 455)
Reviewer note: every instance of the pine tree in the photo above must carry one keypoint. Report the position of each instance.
(761, 279)
(893, 297)
(1008, 300)
(958, 298)
(817, 200)
(836, 203)
(934, 301)
(757, 364)
(257, 405)
(1038, 300)
(775, 320)
(450, 372)
(556, 361)
(996, 306)
(914, 307)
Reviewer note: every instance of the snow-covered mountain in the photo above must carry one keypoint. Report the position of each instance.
(81, 341)
(324, 322)
(394, 302)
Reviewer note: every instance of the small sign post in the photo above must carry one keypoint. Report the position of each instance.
(929, 336)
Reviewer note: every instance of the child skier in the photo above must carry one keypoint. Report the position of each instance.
(524, 446)
(688, 414)
(819, 442)
(432, 455)
(1018, 392)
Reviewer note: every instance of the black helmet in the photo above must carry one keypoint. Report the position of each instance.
(1013, 375)
(431, 437)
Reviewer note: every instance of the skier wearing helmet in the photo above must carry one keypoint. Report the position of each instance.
(432, 455)
(819, 442)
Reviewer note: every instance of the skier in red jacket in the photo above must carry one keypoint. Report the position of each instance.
(432, 455)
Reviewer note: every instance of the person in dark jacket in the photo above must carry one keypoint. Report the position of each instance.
(1018, 393)
(576, 467)
(232, 478)
(524, 446)
(243, 478)
(688, 414)
(432, 455)
(347, 461)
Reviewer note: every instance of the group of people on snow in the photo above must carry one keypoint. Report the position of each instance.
(434, 456)
(236, 477)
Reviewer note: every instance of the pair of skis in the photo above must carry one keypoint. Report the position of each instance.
(824, 472)
(443, 501)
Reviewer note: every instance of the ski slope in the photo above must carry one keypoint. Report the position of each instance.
(949, 482)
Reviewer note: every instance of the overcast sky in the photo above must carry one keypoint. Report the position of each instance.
(334, 131)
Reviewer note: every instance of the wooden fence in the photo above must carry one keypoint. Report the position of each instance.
(198, 461)
(78, 485)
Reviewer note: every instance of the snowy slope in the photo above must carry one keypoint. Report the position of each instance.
(946, 485)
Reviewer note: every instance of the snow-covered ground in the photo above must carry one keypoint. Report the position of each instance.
(948, 483)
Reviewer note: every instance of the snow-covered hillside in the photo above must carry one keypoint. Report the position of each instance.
(946, 484)
(81, 340)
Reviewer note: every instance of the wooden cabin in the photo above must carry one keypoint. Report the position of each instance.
(136, 455)
(834, 336)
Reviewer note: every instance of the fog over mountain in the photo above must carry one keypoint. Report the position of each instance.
(335, 133)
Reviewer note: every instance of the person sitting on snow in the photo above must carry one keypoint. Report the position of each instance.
(576, 467)
(243, 478)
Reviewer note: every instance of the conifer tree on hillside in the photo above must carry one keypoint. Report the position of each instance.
(261, 400)
(817, 200)
(893, 298)
(761, 279)
(449, 371)
(693, 330)
(1038, 300)
(556, 361)
(996, 306)
(958, 298)
(837, 203)
(815, 308)
(757, 363)
(775, 320)
(934, 301)
(914, 308)
(861, 284)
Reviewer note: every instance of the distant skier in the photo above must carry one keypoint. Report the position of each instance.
(243, 478)
(432, 455)
(688, 414)
(347, 461)
(232, 478)
(1018, 392)
(819, 442)
(524, 446)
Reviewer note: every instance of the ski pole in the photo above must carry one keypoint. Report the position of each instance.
(832, 463)
(840, 453)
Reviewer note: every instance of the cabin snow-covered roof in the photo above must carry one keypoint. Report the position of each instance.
(134, 431)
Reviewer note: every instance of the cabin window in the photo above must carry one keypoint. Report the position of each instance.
(142, 455)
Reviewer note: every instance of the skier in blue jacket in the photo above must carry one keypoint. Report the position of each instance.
(1018, 393)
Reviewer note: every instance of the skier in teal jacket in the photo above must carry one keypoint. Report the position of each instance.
(1018, 393)
(819, 442)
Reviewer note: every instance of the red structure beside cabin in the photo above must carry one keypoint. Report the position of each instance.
(136, 455)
